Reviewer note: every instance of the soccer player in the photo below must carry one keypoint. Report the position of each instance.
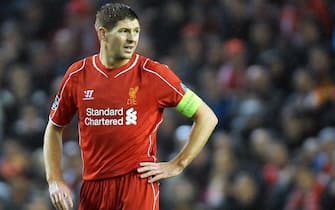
(120, 97)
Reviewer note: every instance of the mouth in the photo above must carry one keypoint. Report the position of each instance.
(129, 48)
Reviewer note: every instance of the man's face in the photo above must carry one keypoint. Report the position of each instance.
(122, 40)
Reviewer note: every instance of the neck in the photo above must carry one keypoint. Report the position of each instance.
(110, 61)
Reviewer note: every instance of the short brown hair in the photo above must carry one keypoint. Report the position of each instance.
(110, 13)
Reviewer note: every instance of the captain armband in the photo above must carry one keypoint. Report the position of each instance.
(189, 104)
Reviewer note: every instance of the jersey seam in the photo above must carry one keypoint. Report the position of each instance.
(55, 124)
(161, 77)
(97, 68)
(129, 68)
(150, 141)
(65, 83)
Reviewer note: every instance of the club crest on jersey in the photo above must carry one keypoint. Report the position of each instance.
(88, 95)
(132, 96)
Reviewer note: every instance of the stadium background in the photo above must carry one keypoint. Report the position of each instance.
(266, 67)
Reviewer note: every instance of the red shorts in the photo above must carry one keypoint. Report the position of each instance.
(126, 192)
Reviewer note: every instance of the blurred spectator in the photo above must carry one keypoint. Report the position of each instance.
(244, 194)
(41, 64)
(273, 61)
(65, 46)
(235, 19)
(260, 39)
(231, 73)
(14, 160)
(178, 193)
(324, 159)
(38, 203)
(215, 98)
(30, 126)
(224, 166)
(306, 191)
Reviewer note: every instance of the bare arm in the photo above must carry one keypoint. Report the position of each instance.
(52, 153)
(204, 124)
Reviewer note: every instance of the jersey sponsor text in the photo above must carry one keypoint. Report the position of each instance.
(116, 117)
(104, 112)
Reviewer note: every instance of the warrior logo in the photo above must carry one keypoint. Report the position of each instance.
(88, 95)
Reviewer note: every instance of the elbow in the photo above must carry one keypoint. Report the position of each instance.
(211, 119)
(206, 116)
(214, 120)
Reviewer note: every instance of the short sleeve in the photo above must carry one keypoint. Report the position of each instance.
(166, 86)
(64, 105)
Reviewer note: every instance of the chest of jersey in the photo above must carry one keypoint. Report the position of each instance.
(111, 101)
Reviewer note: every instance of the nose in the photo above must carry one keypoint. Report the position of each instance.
(131, 36)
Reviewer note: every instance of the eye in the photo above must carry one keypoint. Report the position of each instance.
(123, 30)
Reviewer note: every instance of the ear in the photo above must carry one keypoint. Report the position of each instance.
(102, 33)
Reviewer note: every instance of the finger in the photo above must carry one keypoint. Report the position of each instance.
(147, 168)
(156, 178)
(63, 204)
(52, 197)
(58, 201)
(147, 163)
(69, 200)
(54, 204)
(150, 173)
(146, 175)
(58, 206)
(55, 199)
(142, 169)
(59, 197)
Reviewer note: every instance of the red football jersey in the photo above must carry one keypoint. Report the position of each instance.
(119, 111)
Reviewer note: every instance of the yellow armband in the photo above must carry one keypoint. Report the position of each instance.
(189, 104)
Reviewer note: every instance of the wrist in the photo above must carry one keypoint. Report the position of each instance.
(54, 180)
(180, 163)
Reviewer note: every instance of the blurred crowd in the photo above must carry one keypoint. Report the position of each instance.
(266, 67)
